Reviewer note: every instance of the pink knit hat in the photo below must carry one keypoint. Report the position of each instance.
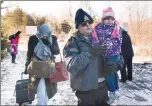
(108, 12)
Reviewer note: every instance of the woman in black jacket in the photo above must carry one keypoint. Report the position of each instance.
(44, 89)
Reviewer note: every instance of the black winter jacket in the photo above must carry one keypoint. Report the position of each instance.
(126, 48)
(50, 87)
(33, 40)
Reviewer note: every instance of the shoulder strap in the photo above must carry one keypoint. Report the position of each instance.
(43, 46)
(40, 41)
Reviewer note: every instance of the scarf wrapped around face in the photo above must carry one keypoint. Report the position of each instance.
(113, 31)
(109, 35)
(42, 51)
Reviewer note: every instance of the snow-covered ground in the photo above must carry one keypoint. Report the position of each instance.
(137, 92)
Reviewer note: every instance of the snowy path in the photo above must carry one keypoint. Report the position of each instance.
(139, 91)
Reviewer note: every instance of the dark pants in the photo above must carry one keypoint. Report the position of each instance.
(112, 82)
(128, 64)
(97, 97)
(13, 57)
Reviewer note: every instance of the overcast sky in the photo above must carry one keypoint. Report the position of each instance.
(58, 8)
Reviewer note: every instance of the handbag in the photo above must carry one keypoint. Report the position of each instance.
(41, 69)
(61, 73)
(11, 49)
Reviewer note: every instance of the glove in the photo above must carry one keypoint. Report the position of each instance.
(103, 49)
(98, 49)
(110, 67)
(46, 42)
(26, 65)
(120, 63)
(25, 72)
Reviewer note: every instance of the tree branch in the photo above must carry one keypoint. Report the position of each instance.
(9, 6)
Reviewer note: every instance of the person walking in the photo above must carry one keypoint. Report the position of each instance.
(41, 86)
(14, 45)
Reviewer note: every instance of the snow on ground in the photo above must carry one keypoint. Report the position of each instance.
(139, 91)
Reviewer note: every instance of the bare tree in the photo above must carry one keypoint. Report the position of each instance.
(140, 27)
(70, 10)
(9, 5)
(130, 10)
(71, 16)
(85, 5)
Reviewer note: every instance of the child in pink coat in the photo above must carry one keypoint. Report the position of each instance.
(14, 48)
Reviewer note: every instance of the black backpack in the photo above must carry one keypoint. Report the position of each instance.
(11, 37)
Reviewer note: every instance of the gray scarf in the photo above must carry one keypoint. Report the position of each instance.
(41, 50)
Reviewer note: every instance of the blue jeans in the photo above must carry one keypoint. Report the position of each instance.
(42, 97)
(111, 80)
(13, 57)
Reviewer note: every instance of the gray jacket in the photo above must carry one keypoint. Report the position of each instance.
(84, 69)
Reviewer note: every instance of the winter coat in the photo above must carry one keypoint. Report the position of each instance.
(14, 45)
(84, 68)
(104, 33)
(51, 87)
(17, 39)
(126, 48)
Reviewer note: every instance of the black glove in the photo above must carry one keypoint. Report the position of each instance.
(26, 65)
(98, 49)
(46, 42)
(103, 49)
(110, 68)
(25, 72)
(120, 63)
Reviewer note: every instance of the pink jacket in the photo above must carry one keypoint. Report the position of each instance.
(14, 44)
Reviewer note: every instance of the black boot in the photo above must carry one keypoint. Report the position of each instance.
(123, 81)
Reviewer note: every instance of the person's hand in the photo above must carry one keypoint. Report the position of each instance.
(26, 67)
(120, 63)
(98, 49)
(103, 49)
(46, 42)
(25, 72)
(110, 67)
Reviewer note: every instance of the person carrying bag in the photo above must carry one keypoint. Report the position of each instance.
(41, 66)
(40, 57)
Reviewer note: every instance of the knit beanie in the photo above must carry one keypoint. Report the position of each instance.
(108, 12)
(81, 16)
